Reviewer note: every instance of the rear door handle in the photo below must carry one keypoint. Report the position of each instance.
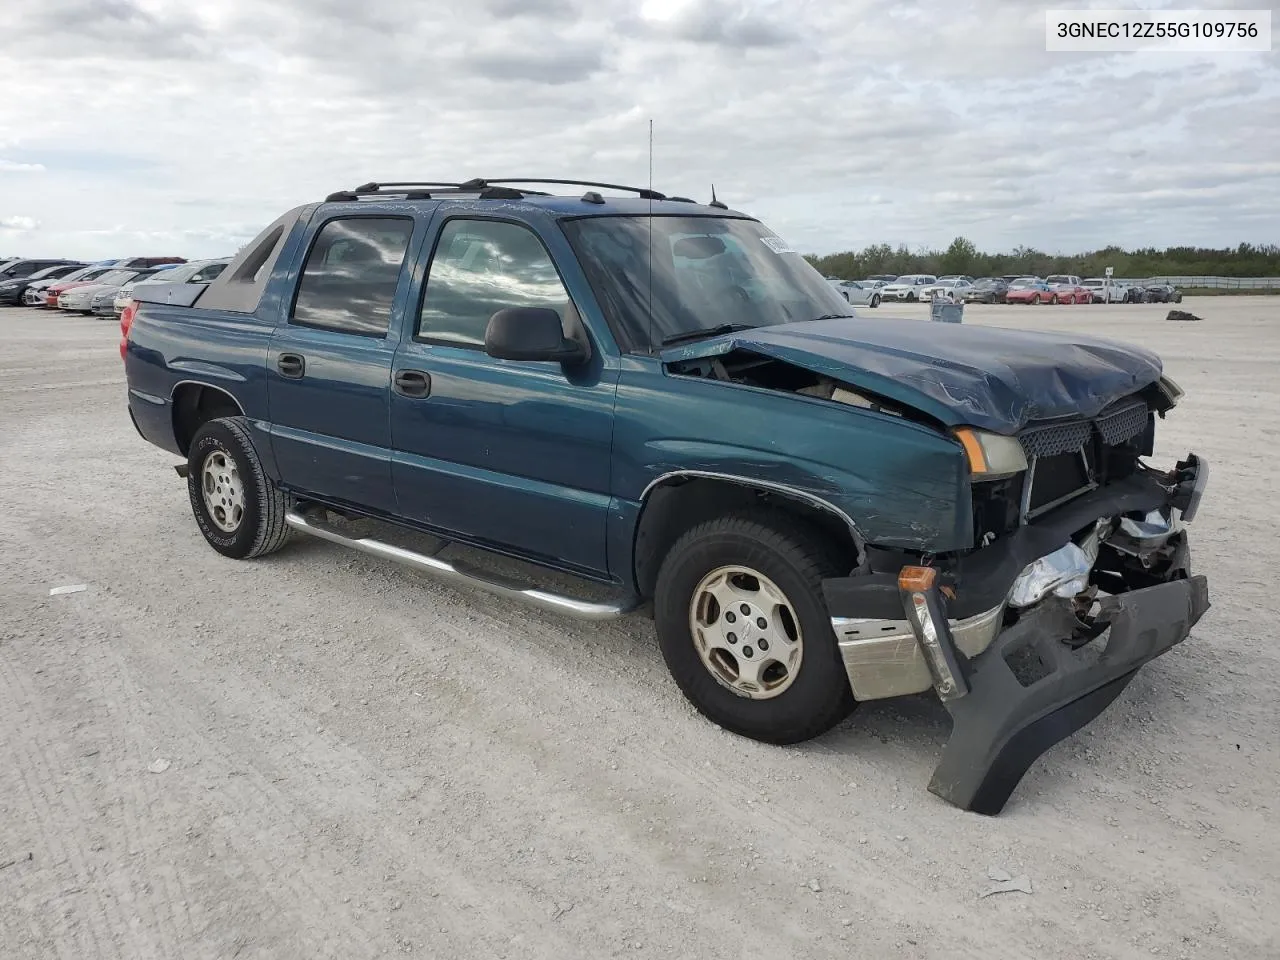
(291, 365)
(414, 384)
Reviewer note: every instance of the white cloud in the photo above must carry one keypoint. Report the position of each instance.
(841, 124)
(18, 223)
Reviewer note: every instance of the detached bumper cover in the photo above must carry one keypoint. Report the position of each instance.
(1030, 690)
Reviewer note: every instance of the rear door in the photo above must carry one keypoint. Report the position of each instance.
(329, 363)
(510, 454)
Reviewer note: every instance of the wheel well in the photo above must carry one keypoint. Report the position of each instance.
(684, 502)
(194, 405)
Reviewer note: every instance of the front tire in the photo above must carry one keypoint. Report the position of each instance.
(912, 298)
(1035, 301)
(744, 630)
(236, 506)
(875, 301)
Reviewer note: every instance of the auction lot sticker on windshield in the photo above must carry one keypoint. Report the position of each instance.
(777, 245)
(1158, 31)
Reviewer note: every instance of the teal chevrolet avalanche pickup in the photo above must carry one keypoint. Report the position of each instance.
(663, 397)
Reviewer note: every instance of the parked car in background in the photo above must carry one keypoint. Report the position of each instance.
(907, 287)
(1010, 277)
(945, 288)
(79, 297)
(1135, 291)
(148, 261)
(12, 290)
(103, 301)
(987, 290)
(880, 279)
(23, 269)
(194, 271)
(1162, 293)
(46, 293)
(956, 276)
(1068, 289)
(1105, 290)
(858, 294)
(1031, 290)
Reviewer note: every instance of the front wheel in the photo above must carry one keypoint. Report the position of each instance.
(1035, 301)
(912, 298)
(237, 507)
(744, 630)
(875, 301)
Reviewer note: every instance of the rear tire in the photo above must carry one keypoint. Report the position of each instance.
(1053, 300)
(236, 506)
(783, 557)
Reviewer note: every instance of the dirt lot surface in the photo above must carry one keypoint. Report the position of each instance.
(323, 755)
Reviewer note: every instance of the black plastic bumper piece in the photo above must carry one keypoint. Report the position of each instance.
(1030, 690)
(983, 577)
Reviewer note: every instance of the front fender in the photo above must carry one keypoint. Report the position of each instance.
(899, 483)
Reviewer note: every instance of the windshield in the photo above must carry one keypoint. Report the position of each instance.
(1025, 282)
(47, 272)
(984, 284)
(707, 272)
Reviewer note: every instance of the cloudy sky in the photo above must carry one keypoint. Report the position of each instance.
(132, 127)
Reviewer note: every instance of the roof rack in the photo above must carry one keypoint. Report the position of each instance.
(488, 188)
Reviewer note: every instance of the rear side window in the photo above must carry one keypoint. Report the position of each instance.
(479, 268)
(350, 277)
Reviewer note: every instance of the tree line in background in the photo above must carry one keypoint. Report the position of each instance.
(964, 258)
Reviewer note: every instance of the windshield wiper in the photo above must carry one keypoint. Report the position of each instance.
(835, 316)
(708, 332)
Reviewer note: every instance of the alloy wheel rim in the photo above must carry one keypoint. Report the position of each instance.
(746, 632)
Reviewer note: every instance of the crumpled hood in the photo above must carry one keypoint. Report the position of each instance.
(986, 377)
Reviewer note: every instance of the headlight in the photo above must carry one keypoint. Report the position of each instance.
(991, 456)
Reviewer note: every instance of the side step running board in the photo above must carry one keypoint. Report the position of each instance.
(457, 574)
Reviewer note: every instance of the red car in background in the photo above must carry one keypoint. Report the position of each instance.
(1030, 290)
(81, 277)
(1069, 289)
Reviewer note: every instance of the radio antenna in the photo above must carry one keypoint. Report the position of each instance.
(652, 346)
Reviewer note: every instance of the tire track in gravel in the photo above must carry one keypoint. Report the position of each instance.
(59, 813)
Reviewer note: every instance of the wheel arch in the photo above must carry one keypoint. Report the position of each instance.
(677, 501)
(194, 404)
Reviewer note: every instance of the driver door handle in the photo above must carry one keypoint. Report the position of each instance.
(414, 384)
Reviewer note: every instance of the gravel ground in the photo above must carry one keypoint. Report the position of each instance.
(323, 755)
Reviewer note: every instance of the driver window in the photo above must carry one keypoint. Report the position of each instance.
(480, 267)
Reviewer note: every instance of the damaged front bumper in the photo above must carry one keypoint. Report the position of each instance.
(1028, 639)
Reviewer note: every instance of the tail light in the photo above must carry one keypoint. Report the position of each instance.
(126, 322)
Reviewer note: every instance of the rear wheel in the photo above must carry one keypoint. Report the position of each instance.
(744, 630)
(1053, 299)
(237, 507)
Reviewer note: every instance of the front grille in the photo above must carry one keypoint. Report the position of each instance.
(1124, 424)
(1068, 459)
(1053, 440)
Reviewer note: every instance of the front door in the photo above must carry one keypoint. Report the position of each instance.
(510, 454)
(329, 366)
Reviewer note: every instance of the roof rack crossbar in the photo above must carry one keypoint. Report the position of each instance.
(644, 192)
(483, 184)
